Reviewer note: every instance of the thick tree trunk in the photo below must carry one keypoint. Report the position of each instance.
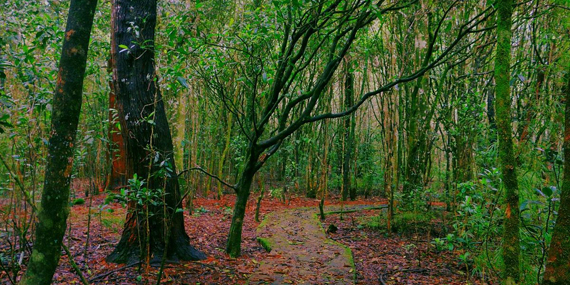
(152, 227)
(52, 218)
(511, 236)
(558, 266)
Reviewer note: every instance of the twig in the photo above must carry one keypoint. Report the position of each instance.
(357, 210)
(100, 276)
(20, 186)
(74, 265)
(381, 279)
(209, 174)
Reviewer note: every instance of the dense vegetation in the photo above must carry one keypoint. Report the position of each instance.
(447, 110)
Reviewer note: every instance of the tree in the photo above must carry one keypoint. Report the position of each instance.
(558, 266)
(52, 217)
(511, 235)
(154, 227)
(316, 38)
(348, 138)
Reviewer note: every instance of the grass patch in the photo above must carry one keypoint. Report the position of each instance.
(112, 222)
(403, 223)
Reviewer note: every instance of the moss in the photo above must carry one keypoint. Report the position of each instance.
(37, 256)
(316, 217)
(78, 201)
(264, 222)
(347, 254)
(48, 223)
(265, 243)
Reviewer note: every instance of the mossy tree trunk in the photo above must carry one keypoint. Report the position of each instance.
(243, 190)
(558, 266)
(52, 217)
(156, 227)
(349, 125)
(511, 235)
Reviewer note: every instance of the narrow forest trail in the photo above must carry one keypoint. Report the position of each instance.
(301, 253)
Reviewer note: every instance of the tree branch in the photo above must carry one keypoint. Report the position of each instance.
(200, 169)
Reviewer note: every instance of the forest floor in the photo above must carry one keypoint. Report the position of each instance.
(300, 251)
(378, 258)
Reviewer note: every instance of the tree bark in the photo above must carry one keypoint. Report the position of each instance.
(511, 235)
(154, 229)
(233, 247)
(348, 189)
(416, 138)
(117, 176)
(52, 217)
(558, 266)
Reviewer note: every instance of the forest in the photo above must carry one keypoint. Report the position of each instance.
(285, 142)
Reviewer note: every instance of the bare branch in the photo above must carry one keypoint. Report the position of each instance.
(200, 169)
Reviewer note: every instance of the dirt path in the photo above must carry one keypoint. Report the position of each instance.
(300, 251)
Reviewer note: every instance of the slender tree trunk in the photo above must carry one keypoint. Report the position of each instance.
(558, 266)
(416, 139)
(243, 187)
(229, 120)
(511, 236)
(179, 141)
(148, 141)
(52, 218)
(348, 189)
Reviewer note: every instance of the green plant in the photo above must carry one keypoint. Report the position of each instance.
(446, 243)
(278, 193)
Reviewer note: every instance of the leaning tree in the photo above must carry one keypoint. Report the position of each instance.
(54, 209)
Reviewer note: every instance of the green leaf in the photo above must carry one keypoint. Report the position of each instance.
(182, 81)
(548, 190)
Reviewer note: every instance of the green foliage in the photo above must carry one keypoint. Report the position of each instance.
(139, 193)
(278, 193)
(373, 222)
(446, 243)
(198, 212)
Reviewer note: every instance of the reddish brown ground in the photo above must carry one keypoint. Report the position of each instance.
(378, 258)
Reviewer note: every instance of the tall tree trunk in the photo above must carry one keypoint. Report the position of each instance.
(558, 266)
(491, 115)
(150, 229)
(511, 236)
(225, 152)
(348, 137)
(118, 157)
(52, 218)
(416, 139)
